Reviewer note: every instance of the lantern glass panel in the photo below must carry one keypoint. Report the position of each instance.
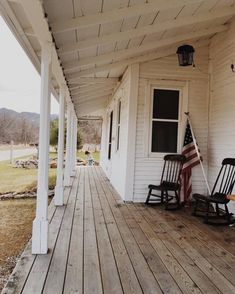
(185, 55)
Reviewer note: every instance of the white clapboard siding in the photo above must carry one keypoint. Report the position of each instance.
(222, 109)
(115, 168)
(148, 170)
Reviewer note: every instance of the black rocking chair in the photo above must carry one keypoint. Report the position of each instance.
(223, 186)
(170, 182)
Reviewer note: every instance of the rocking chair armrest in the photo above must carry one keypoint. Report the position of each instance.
(231, 197)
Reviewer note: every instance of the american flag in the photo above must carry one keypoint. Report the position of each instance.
(192, 159)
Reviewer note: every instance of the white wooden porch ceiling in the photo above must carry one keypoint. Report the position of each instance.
(97, 39)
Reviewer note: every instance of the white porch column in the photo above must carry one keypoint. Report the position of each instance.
(68, 146)
(40, 223)
(74, 145)
(59, 189)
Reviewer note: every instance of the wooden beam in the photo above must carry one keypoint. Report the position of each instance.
(122, 54)
(34, 12)
(146, 30)
(85, 80)
(126, 62)
(117, 14)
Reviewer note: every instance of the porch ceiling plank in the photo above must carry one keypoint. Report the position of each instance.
(85, 80)
(93, 86)
(143, 58)
(149, 29)
(91, 106)
(122, 54)
(83, 99)
(117, 14)
(92, 90)
(88, 85)
(86, 97)
(93, 100)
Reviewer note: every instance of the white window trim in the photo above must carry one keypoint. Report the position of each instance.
(118, 124)
(183, 107)
(110, 143)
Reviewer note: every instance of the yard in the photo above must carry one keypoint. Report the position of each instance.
(16, 218)
(20, 179)
(16, 215)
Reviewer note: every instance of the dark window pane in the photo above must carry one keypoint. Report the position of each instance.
(165, 104)
(118, 135)
(110, 135)
(164, 136)
(119, 112)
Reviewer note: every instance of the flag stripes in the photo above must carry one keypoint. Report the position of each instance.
(189, 150)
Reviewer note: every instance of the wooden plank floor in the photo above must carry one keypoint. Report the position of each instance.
(98, 244)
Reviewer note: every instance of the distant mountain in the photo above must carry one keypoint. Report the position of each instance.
(21, 127)
(32, 116)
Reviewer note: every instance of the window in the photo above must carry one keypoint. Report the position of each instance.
(110, 134)
(118, 123)
(165, 120)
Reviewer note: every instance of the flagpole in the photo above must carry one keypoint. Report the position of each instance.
(198, 154)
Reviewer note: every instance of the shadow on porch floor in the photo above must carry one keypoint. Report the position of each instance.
(98, 244)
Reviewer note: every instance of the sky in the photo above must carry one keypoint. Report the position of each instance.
(19, 80)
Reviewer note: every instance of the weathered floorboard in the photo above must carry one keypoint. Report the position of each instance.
(74, 273)
(99, 244)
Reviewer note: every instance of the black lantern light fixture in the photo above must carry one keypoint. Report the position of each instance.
(185, 55)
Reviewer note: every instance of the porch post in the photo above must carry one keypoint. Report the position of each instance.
(68, 146)
(75, 143)
(74, 146)
(59, 189)
(40, 223)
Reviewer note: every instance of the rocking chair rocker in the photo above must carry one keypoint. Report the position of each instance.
(222, 188)
(170, 182)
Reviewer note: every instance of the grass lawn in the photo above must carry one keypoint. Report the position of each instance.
(20, 179)
(80, 154)
(96, 155)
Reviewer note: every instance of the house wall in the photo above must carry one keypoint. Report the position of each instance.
(194, 82)
(222, 103)
(120, 168)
